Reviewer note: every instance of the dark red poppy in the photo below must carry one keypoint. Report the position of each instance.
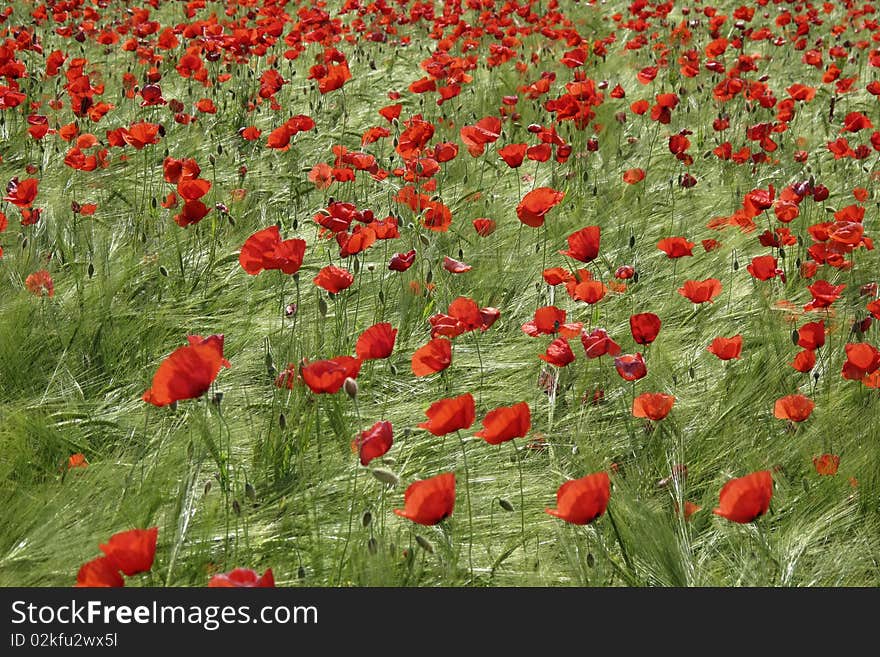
(402, 261)
(583, 245)
(334, 279)
(188, 372)
(374, 442)
(429, 501)
(581, 501)
(558, 353)
(536, 204)
(22, 193)
(631, 367)
(376, 342)
(676, 247)
(598, 343)
(506, 423)
(132, 551)
(433, 357)
(652, 405)
(192, 212)
(746, 499)
(448, 415)
(796, 408)
(726, 348)
(826, 464)
(243, 578)
(701, 291)
(265, 250)
(644, 327)
(327, 376)
(99, 572)
(484, 226)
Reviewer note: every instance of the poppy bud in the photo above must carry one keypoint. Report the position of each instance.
(504, 504)
(632, 239)
(236, 507)
(795, 336)
(393, 369)
(322, 306)
(91, 270)
(301, 572)
(385, 476)
(217, 398)
(207, 486)
(373, 545)
(163, 271)
(282, 421)
(430, 276)
(250, 492)
(781, 253)
(351, 387)
(367, 518)
(425, 544)
(590, 560)
(219, 149)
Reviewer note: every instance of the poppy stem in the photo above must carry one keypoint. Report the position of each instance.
(620, 542)
(522, 508)
(480, 358)
(467, 495)
(350, 521)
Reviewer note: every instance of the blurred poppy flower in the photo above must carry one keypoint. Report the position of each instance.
(77, 460)
(581, 501)
(132, 551)
(506, 423)
(633, 176)
(726, 348)
(243, 578)
(701, 291)
(747, 498)
(533, 207)
(433, 357)
(327, 376)
(40, 283)
(374, 442)
(376, 342)
(334, 279)
(644, 327)
(448, 415)
(484, 227)
(100, 572)
(188, 372)
(652, 405)
(429, 501)
(631, 367)
(826, 464)
(796, 408)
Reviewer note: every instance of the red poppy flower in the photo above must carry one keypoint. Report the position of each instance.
(448, 415)
(796, 408)
(581, 501)
(874, 308)
(558, 353)
(632, 176)
(265, 250)
(484, 227)
(550, 320)
(334, 279)
(454, 266)
(506, 423)
(429, 501)
(747, 498)
(513, 154)
(804, 361)
(862, 359)
(21, 193)
(192, 190)
(824, 294)
(764, 268)
(327, 376)
(100, 572)
(726, 348)
(132, 551)
(812, 335)
(243, 578)
(598, 343)
(402, 261)
(826, 464)
(652, 405)
(433, 357)
(40, 283)
(701, 291)
(631, 367)
(644, 327)
(676, 247)
(536, 204)
(192, 212)
(376, 342)
(188, 372)
(77, 460)
(141, 134)
(374, 442)
(588, 291)
(583, 245)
